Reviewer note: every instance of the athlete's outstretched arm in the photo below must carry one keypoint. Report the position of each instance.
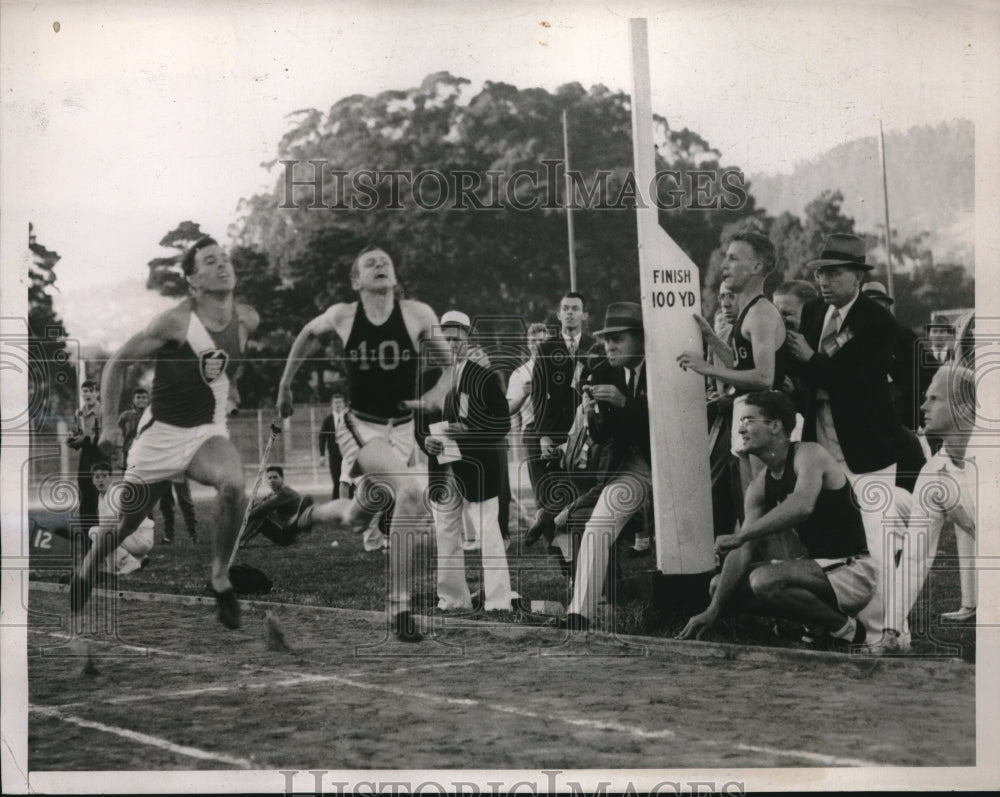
(163, 329)
(303, 347)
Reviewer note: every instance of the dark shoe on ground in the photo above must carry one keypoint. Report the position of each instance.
(635, 553)
(572, 622)
(228, 607)
(534, 533)
(405, 628)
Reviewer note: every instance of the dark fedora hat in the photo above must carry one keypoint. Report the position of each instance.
(621, 316)
(842, 249)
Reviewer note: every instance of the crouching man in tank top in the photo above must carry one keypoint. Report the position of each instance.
(382, 335)
(802, 488)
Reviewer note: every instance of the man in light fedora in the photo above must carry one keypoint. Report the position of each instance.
(617, 414)
(844, 354)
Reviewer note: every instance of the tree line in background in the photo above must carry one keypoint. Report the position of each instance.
(293, 258)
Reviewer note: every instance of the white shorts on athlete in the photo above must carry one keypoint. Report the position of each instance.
(161, 451)
(853, 581)
(398, 434)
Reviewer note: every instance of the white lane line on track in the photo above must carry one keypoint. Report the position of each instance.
(144, 738)
(817, 758)
(297, 679)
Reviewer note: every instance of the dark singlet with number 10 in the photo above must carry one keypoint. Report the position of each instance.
(381, 365)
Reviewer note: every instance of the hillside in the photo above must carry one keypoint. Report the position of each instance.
(931, 176)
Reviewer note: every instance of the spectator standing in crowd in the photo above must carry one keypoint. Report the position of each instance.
(270, 515)
(84, 439)
(844, 354)
(802, 493)
(904, 361)
(197, 346)
(382, 335)
(132, 553)
(556, 378)
(476, 420)
(618, 415)
(790, 297)
(519, 401)
(128, 421)
(945, 492)
(758, 356)
(329, 450)
(903, 376)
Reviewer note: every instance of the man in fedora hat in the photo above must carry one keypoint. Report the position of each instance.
(618, 415)
(904, 358)
(844, 354)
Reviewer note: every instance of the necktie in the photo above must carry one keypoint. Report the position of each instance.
(571, 347)
(827, 341)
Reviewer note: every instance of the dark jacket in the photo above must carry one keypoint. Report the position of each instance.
(856, 379)
(479, 403)
(328, 445)
(553, 395)
(624, 429)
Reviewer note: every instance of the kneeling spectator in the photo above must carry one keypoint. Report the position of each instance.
(270, 515)
(830, 578)
(132, 553)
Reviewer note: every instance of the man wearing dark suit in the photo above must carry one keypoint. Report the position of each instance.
(555, 383)
(844, 355)
(618, 416)
(329, 451)
(476, 419)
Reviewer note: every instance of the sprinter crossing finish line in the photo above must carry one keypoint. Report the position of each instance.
(677, 420)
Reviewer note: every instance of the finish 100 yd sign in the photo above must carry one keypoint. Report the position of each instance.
(672, 294)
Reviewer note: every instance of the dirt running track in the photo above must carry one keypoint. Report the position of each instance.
(177, 691)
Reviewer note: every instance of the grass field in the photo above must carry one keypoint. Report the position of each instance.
(313, 572)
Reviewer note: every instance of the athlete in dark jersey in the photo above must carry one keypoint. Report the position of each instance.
(381, 336)
(743, 350)
(834, 528)
(804, 489)
(195, 346)
(382, 365)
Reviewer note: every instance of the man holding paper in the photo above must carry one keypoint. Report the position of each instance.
(476, 420)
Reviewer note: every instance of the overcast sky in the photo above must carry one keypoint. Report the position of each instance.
(128, 120)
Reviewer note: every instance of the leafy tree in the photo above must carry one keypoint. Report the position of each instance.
(51, 380)
(165, 274)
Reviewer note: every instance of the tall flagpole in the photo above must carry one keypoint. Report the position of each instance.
(888, 229)
(569, 206)
(671, 295)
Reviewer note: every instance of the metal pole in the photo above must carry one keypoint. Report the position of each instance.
(888, 229)
(569, 206)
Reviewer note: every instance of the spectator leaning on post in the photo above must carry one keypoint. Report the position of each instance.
(801, 490)
(757, 343)
(843, 354)
(618, 415)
